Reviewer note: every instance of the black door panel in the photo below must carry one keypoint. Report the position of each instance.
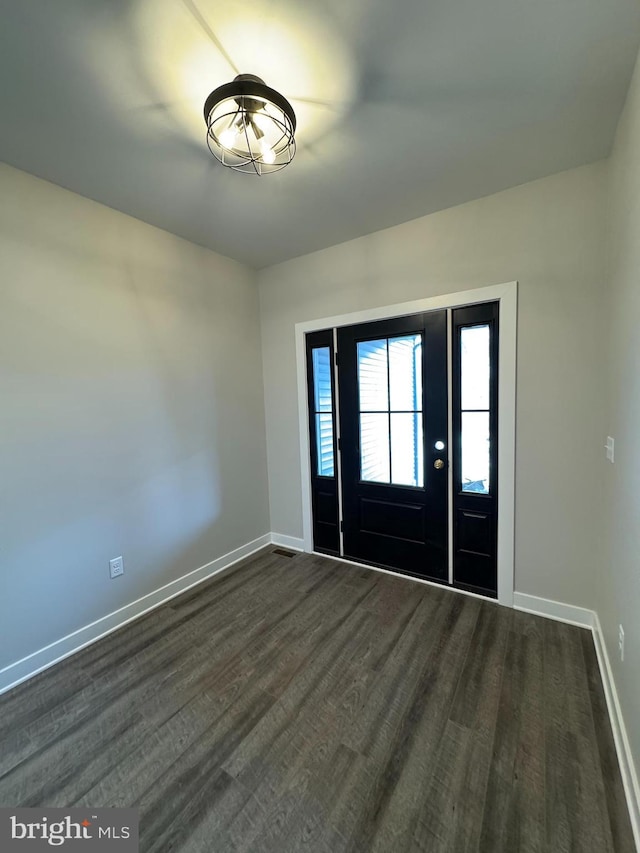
(391, 523)
(391, 518)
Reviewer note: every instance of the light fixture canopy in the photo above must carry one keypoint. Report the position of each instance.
(250, 127)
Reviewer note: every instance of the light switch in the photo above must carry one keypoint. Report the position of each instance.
(609, 447)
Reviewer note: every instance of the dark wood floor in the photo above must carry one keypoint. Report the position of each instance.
(306, 705)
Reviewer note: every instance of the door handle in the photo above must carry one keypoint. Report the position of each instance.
(438, 464)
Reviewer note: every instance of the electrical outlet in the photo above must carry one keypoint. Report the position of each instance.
(621, 641)
(116, 567)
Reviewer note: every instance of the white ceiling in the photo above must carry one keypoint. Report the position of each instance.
(410, 106)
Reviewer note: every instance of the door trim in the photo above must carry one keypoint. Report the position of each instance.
(507, 296)
(450, 444)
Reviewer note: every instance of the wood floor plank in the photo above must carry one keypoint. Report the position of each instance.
(286, 802)
(306, 757)
(35, 746)
(152, 756)
(412, 696)
(296, 710)
(420, 639)
(303, 704)
(310, 827)
(619, 821)
(201, 825)
(40, 695)
(175, 799)
(514, 813)
(576, 810)
(454, 803)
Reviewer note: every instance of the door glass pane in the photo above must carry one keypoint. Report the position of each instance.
(390, 391)
(475, 452)
(322, 379)
(373, 376)
(374, 447)
(475, 362)
(407, 466)
(324, 444)
(405, 373)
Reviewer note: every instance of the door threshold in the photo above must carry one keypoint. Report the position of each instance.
(492, 599)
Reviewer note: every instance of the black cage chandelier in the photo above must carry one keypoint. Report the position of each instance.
(250, 127)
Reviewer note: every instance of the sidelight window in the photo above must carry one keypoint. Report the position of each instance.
(475, 375)
(323, 410)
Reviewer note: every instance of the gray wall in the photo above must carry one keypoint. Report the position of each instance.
(549, 235)
(131, 410)
(619, 573)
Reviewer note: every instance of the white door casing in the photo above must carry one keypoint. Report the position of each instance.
(507, 297)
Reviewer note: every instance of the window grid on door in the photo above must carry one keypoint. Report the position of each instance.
(390, 410)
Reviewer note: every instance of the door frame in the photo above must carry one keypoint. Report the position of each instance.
(507, 297)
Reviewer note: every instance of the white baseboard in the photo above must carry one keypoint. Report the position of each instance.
(554, 610)
(287, 541)
(36, 662)
(623, 748)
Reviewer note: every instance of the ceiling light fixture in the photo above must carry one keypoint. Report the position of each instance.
(250, 127)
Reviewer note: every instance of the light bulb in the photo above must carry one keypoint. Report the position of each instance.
(228, 137)
(268, 154)
(262, 121)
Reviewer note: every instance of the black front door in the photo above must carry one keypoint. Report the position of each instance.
(393, 438)
(392, 482)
